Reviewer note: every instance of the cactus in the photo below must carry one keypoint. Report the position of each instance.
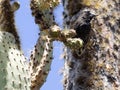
(14, 72)
(97, 64)
(97, 67)
(42, 57)
(40, 61)
(13, 66)
(42, 10)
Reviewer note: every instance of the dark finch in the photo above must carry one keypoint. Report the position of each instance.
(82, 25)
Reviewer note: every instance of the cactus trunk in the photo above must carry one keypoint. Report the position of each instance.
(97, 66)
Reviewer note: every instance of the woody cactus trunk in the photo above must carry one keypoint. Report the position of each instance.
(97, 65)
(91, 38)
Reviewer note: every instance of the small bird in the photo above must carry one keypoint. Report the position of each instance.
(83, 26)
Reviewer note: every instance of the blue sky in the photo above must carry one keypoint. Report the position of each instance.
(28, 32)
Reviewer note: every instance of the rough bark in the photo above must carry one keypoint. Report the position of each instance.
(96, 66)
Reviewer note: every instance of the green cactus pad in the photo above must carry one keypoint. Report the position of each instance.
(14, 73)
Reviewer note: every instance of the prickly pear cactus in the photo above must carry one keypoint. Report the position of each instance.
(41, 58)
(13, 64)
(43, 14)
(42, 54)
(42, 10)
(14, 72)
